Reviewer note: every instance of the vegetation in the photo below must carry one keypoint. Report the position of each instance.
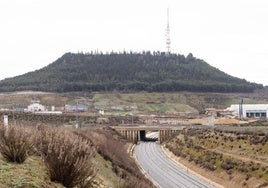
(15, 143)
(32, 173)
(233, 151)
(128, 72)
(120, 103)
(112, 147)
(66, 156)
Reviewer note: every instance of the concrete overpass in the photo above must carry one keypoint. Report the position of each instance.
(138, 132)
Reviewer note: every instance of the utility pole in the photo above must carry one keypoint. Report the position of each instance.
(240, 109)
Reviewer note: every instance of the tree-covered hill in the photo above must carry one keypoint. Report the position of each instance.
(128, 72)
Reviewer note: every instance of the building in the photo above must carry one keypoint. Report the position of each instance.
(36, 107)
(76, 108)
(250, 110)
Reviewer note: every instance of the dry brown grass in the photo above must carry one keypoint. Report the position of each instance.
(224, 152)
(15, 142)
(67, 156)
(112, 147)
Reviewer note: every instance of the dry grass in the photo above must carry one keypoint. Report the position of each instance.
(112, 147)
(235, 154)
(67, 156)
(15, 142)
(32, 173)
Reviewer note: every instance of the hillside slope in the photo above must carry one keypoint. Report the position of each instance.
(135, 102)
(128, 72)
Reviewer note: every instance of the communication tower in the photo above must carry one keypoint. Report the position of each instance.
(168, 34)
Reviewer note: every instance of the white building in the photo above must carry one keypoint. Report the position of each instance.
(36, 107)
(250, 110)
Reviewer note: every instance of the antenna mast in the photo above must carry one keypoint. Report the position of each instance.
(168, 34)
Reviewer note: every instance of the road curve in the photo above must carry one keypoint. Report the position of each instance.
(163, 170)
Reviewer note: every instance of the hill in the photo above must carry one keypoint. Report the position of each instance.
(128, 72)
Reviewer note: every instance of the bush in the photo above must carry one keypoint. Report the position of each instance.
(134, 182)
(228, 164)
(112, 148)
(15, 143)
(210, 166)
(247, 176)
(67, 156)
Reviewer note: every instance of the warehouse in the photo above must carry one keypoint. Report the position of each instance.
(250, 110)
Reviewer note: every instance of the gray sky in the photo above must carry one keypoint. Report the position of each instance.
(231, 35)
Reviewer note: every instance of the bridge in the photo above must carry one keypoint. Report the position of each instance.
(135, 133)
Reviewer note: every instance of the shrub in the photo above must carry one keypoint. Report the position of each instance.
(242, 167)
(247, 176)
(111, 146)
(67, 156)
(15, 143)
(228, 164)
(134, 182)
(210, 166)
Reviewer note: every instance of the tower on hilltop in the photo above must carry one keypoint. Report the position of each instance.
(168, 34)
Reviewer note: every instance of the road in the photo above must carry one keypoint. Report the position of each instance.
(164, 171)
(152, 135)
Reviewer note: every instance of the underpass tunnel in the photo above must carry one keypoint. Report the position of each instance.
(142, 135)
(149, 136)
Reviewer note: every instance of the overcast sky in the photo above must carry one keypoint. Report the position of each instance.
(231, 35)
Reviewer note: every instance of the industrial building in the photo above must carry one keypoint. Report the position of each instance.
(250, 110)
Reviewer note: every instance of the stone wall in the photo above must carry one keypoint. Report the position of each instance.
(60, 119)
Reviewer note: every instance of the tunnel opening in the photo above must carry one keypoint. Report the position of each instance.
(151, 136)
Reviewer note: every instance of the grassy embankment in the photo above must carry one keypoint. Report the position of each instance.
(50, 155)
(230, 156)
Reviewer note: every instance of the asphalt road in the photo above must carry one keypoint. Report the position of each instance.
(164, 171)
(152, 135)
